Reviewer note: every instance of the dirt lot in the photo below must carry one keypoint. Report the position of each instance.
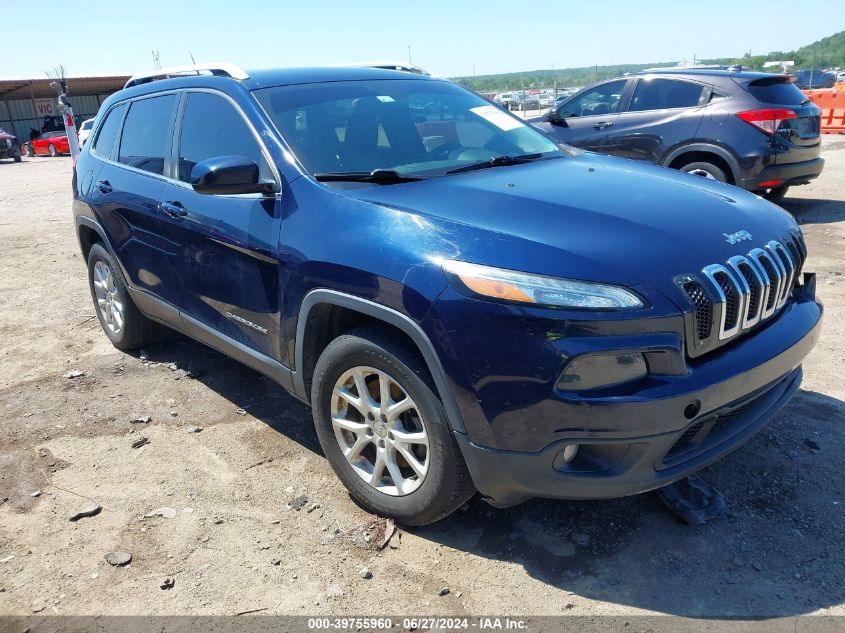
(234, 543)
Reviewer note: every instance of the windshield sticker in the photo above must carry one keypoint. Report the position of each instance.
(498, 118)
(386, 99)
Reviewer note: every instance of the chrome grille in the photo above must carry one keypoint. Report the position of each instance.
(741, 293)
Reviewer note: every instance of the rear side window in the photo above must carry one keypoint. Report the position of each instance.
(776, 91)
(663, 94)
(145, 133)
(104, 143)
(211, 127)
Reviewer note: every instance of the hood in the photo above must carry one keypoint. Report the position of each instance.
(620, 221)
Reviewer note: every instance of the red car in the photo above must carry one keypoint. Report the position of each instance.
(48, 144)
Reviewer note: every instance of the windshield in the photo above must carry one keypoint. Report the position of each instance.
(420, 128)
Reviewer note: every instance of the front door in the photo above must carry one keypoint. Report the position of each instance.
(223, 249)
(586, 119)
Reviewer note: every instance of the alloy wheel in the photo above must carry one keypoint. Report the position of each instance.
(380, 431)
(108, 301)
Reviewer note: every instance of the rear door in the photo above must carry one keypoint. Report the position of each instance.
(585, 120)
(799, 138)
(662, 114)
(128, 186)
(223, 249)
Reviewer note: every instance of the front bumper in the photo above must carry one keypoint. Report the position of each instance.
(790, 173)
(731, 410)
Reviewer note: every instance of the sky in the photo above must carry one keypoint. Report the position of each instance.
(449, 38)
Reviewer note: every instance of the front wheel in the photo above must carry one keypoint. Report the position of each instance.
(53, 151)
(383, 429)
(705, 170)
(29, 150)
(16, 154)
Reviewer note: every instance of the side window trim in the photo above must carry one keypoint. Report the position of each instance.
(177, 138)
(116, 150)
(96, 133)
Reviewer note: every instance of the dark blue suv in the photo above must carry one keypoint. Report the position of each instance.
(757, 131)
(465, 304)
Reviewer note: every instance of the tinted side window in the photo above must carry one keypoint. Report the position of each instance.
(211, 127)
(603, 99)
(145, 133)
(661, 94)
(104, 144)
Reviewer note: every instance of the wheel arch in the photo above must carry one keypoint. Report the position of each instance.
(88, 234)
(706, 152)
(326, 314)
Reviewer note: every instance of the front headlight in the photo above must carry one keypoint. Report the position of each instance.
(518, 287)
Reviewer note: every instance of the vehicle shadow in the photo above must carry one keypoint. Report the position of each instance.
(774, 553)
(244, 387)
(815, 211)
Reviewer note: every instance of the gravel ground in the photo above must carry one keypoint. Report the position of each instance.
(228, 532)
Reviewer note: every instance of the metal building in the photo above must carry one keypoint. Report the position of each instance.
(28, 105)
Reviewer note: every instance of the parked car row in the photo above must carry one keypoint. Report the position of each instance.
(47, 144)
(757, 131)
(519, 100)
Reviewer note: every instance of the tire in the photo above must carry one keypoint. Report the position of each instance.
(705, 170)
(415, 500)
(777, 194)
(30, 151)
(16, 155)
(134, 330)
(52, 149)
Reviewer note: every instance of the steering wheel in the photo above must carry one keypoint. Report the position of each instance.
(447, 151)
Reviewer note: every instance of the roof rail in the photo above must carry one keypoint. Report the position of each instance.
(219, 69)
(388, 64)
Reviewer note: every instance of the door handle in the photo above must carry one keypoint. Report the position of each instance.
(173, 209)
(603, 124)
(104, 186)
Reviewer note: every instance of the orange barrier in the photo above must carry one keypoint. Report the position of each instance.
(832, 104)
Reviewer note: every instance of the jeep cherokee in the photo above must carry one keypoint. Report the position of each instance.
(465, 304)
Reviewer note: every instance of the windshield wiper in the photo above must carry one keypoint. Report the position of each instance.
(378, 176)
(496, 161)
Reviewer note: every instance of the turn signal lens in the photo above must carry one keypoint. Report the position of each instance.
(517, 287)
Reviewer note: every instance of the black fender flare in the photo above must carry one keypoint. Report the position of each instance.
(91, 223)
(389, 316)
(709, 148)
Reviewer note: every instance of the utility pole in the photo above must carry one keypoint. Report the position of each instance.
(156, 62)
(813, 67)
(409, 53)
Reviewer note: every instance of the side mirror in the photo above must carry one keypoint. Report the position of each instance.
(227, 175)
(553, 117)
